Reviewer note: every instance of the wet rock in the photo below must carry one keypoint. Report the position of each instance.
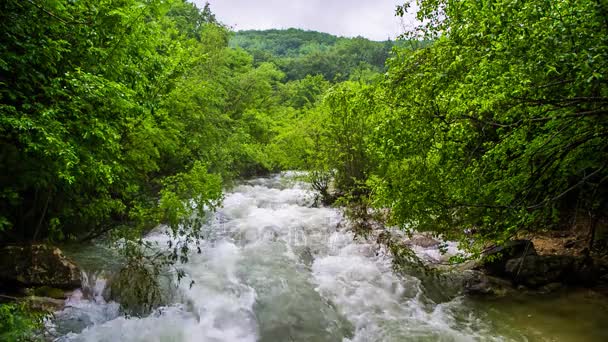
(136, 288)
(306, 256)
(538, 270)
(46, 304)
(477, 283)
(495, 259)
(551, 287)
(423, 241)
(586, 272)
(50, 292)
(37, 265)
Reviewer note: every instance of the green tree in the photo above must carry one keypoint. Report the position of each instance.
(500, 124)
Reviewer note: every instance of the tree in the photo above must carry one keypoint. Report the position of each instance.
(500, 124)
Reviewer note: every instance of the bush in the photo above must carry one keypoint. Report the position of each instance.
(18, 322)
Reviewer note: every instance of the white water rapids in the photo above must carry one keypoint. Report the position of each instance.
(274, 268)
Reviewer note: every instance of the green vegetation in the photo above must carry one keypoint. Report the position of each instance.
(497, 127)
(118, 115)
(300, 53)
(500, 125)
(108, 107)
(18, 323)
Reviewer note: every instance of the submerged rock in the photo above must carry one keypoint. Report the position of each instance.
(37, 265)
(551, 287)
(306, 256)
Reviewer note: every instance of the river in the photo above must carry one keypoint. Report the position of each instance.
(276, 268)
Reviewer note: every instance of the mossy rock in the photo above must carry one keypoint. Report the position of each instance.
(137, 289)
(45, 304)
(37, 265)
(51, 292)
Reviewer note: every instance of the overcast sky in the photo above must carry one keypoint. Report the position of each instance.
(373, 19)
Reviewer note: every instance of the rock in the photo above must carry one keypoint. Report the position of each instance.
(535, 270)
(586, 272)
(495, 259)
(551, 287)
(37, 265)
(603, 279)
(50, 292)
(476, 283)
(423, 241)
(306, 256)
(136, 288)
(45, 303)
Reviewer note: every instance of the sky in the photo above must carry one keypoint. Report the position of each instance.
(373, 19)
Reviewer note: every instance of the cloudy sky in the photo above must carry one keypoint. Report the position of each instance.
(374, 19)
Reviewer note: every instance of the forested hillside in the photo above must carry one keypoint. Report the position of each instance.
(284, 43)
(299, 53)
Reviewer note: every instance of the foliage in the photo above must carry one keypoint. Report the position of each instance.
(283, 43)
(348, 108)
(300, 53)
(499, 125)
(118, 115)
(18, 322)
(108, 106)
(495, 123)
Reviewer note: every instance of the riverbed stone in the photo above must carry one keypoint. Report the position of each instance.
(477, 283)
(37, 265)
(136, 288)
(551, 287)
(423, 241)
(538, 270)
(45, 304)
(50, 292)
(496, 258)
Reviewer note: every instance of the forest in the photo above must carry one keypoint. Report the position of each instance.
(487, 121)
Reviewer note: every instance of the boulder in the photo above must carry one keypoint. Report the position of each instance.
(539, 270)
(50, 292)
(37, 265)
(45, 304)
(535, 271)
(495, 258)
(423, 241)
(136, 288)
(477, 283)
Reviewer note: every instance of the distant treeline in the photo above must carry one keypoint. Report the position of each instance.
(299, 53)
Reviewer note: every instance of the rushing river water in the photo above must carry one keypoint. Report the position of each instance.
(275, 268)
